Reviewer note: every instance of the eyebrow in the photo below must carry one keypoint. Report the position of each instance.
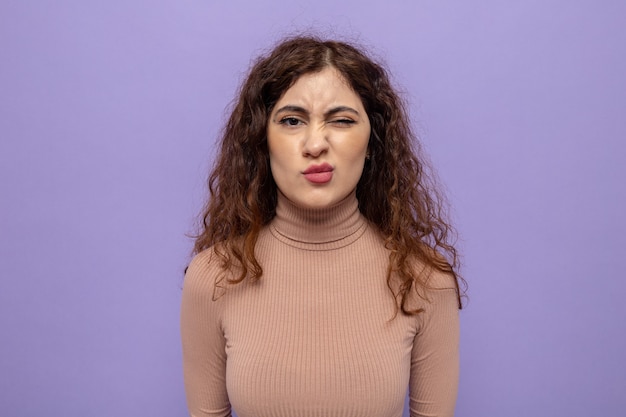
(330, 112)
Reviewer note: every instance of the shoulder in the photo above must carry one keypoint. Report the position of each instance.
(439, 280)
(435, 274)
(435, 286)
(432, 271)
(438, 298)
(201, 261)
(201, 308)
(202, 264)
(203, 273)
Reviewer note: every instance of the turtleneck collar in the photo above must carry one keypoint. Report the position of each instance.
(318, 229)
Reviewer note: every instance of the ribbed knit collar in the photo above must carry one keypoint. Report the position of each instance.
(318, 229)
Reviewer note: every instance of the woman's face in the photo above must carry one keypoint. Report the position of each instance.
(317, 136)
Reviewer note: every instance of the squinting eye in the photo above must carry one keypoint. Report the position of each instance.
(290, 121)
(344, 121)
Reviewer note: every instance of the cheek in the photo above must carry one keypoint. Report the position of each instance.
(280, 164)
(354, 163)
(273, 149)
(357, 170)
(357, 159)
(357, 153)
(279, 157)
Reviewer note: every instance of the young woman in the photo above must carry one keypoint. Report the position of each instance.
(324, 281)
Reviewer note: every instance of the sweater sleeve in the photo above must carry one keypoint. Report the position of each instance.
(435, 356)
(203, 343)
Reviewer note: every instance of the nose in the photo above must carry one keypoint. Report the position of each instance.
(315, 142)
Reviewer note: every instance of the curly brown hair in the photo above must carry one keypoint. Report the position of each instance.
(396, 191)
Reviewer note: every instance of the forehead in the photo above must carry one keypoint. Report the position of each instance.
(327, 86)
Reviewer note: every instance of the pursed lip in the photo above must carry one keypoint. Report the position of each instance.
(314, 169)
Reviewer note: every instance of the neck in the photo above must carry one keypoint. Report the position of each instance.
(321, 229)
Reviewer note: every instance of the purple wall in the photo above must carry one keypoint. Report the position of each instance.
(108, 112)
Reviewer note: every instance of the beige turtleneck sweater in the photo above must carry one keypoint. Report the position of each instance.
(315, 335)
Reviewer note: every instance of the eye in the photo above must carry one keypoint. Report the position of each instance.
(343, 122)
(290, 121)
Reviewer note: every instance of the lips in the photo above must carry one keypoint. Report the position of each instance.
(319, 174)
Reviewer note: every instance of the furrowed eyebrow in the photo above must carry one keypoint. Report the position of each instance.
(292, 108)
(302, 110)
(340, 109)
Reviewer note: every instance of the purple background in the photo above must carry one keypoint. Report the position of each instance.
(108, 113)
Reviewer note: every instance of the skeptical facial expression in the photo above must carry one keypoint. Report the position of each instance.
(317, 136)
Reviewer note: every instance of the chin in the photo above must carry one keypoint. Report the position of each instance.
(314, 205)
(319, 203)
